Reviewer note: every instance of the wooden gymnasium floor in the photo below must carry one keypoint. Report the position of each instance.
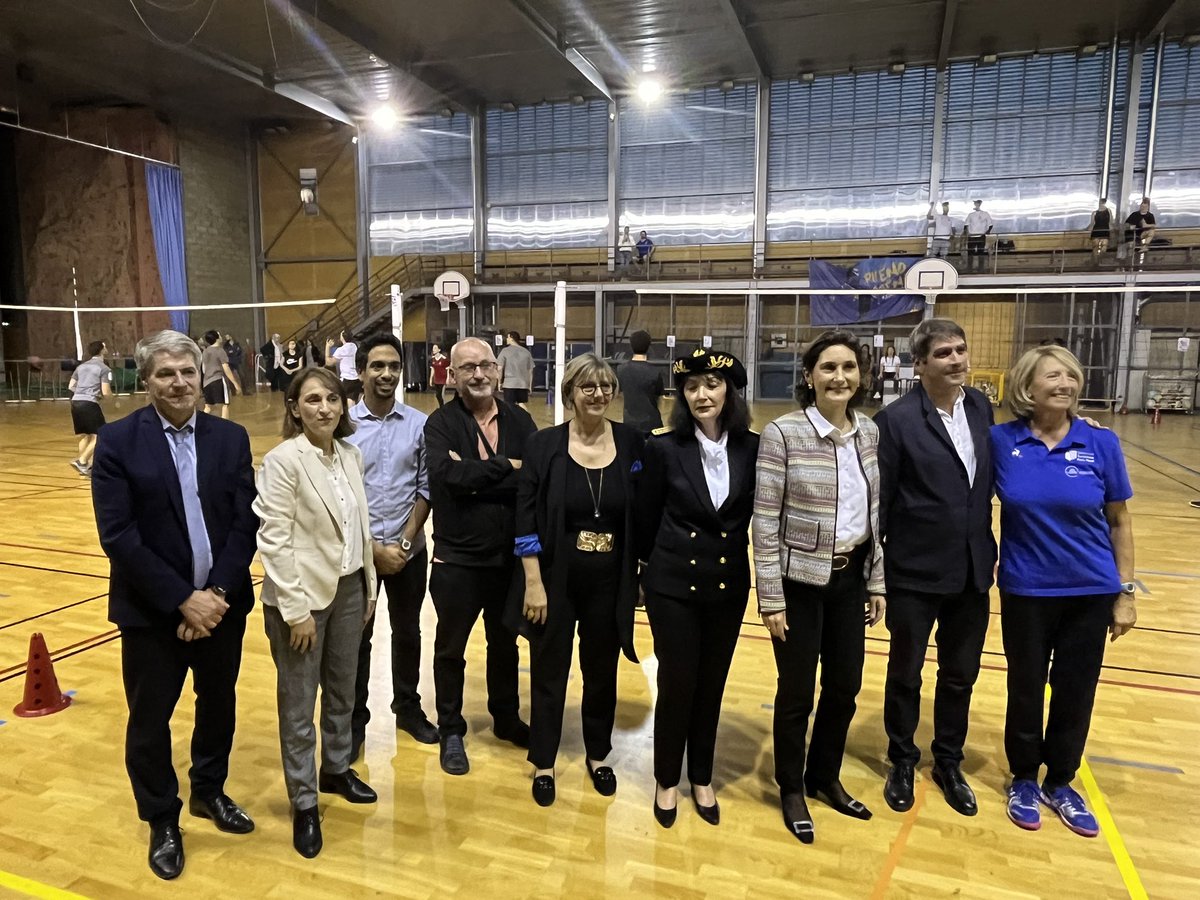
(68, 822)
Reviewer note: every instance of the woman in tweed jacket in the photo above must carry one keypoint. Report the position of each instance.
(819, 571)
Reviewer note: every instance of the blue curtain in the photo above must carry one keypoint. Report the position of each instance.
(165, 189)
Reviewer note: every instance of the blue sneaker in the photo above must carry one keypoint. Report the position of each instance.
(1023, 809)
(1072, 810)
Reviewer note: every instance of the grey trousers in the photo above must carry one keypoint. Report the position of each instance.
(333, 665)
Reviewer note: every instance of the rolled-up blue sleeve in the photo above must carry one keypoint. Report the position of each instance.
(527, 545)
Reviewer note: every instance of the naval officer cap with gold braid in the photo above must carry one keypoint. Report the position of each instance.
(702, 361)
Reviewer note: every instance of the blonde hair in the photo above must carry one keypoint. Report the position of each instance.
(1020, 379)
(580, 369)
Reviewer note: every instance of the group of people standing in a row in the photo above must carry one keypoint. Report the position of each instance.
(562, 532)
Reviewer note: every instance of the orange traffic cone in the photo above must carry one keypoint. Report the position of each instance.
(42, 696)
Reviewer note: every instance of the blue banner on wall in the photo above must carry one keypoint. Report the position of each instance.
(866, 274)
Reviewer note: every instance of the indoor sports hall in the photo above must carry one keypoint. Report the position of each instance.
(738, 176)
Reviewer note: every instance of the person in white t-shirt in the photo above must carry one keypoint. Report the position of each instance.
(344, 353)
(943, 231)
(979, 226)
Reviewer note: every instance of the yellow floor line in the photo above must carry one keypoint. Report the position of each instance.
(1133, 883)
(33, 888)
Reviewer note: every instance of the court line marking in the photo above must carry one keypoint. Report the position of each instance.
(51, 612)
(1162, 457)
(55, 571)
(1129, 874)
(69, 550)
(898, 846)
(1169, 574)
(1133, 764)
(32, 888)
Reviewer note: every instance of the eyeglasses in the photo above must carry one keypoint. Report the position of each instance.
(468, 369)
(590, 389)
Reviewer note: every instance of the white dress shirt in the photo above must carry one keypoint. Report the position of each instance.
(853, 519)
(960, 434)
(352, 549)
(714, 457)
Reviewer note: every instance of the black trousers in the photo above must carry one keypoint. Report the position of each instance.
(1060, 639)
(693, 643)
(405, 597)
(460, 594)
(591, 603)
(962, 623)
(154, 664)
(825, 624)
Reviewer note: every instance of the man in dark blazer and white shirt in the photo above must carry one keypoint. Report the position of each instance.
(172, 490)
(935, 514)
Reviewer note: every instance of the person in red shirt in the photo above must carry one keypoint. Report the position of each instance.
(439, 362)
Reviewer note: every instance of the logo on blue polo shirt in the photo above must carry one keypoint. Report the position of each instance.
(1072, 472)
(1081, 455)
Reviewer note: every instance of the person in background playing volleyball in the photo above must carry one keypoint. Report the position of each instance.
(90, 381)
(218, 376)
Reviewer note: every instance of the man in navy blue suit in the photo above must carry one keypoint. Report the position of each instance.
(172, 490)
(935, 512)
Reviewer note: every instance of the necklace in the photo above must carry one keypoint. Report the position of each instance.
(596, 496)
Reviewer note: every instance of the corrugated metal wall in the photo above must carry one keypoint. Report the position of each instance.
(547, 176)
(419, 189)
(849, 156)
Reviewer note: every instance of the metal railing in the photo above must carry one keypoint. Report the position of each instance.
(409, 271)
(36, 378)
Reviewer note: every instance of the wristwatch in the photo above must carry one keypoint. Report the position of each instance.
(1128, 587)
(219, 591)
(405, 544)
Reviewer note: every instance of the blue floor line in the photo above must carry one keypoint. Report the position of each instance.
(1149, 767)
(1168, 574)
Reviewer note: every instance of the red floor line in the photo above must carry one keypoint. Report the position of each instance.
(54, 654)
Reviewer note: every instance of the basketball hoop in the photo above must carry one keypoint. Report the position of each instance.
(451, 288)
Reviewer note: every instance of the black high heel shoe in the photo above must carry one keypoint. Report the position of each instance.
(664, 817)
(797, 817)
(835, 795)
(710, 814)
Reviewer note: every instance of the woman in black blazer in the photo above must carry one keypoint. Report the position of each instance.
(575, 527)
(694, 503)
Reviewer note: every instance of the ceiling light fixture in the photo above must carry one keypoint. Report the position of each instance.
(988, 58)
(649, 90)
(577, 99)
(896, 68)
(508, 106)
(1089, 49)
(385, 118)
(807, 77)
(727, 85)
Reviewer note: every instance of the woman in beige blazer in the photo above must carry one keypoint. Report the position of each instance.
(315, 544)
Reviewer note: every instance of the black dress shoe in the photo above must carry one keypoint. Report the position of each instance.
(454, 756)
(710, 814)
(348, 784)
(949, 777)
(797, 818)
(226, 814)
(306, 832)
(166, 850)
(514, 731)
(604, 779)
(419, 728)
(898, 789)
(664, 817)
(543, 790)
(835, 795)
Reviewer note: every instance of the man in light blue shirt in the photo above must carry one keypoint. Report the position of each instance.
(391, 438)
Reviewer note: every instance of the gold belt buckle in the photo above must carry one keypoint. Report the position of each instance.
(840, 562)
(594, 542)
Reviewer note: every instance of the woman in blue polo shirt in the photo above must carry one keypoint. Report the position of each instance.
(1066, 577)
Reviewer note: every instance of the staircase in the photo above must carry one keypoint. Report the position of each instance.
(409, 271)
